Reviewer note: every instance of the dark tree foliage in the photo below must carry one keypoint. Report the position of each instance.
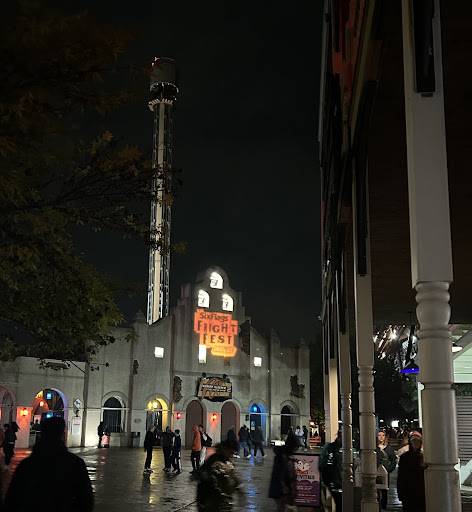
(395, 394)
(58, 72)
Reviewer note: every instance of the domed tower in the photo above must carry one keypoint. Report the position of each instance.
(163, 93)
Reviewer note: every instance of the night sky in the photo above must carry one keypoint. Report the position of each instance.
(246, 140)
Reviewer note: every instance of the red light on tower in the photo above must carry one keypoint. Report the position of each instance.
(24, 412)
(178, 415)
(214, 416)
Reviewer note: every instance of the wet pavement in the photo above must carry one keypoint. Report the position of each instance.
(120, 485)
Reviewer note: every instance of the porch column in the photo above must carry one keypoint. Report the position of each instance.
(344, 356)
(431, 254)
(364, 346)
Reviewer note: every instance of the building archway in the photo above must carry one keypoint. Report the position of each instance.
(193, 416)
(286, 419)
(113, 414)
(229, 418)
(7, 406)
(47, 403)
(157, 415)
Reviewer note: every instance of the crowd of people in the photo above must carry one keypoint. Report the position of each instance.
(218, 484)
(410, 462)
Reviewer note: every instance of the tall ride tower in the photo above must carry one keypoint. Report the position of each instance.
(163, 92)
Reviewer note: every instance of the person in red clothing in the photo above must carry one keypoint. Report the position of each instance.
(196, 449)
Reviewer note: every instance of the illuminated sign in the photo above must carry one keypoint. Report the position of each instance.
(217, 332)
(215, 389)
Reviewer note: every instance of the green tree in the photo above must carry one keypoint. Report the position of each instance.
(57, 74)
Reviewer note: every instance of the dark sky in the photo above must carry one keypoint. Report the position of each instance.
(246, 130)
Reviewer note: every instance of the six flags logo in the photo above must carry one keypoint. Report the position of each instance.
(217, 331)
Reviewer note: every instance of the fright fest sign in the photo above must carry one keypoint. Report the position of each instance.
(217, 332)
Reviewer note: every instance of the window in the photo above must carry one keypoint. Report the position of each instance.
(216, 281)
(227, 302)
(258, 361)
(203, 299)
(159, 352)
(202, 354)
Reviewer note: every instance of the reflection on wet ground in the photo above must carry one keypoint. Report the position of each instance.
(120, 485)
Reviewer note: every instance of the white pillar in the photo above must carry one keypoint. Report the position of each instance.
(344, 357)
(365, 363)
(431, 264)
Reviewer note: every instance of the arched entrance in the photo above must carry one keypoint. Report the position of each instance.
(7, 406)
(193, 416)
(48, 403)
(286, 415)
(157, 416)
(229, 418)
(112, 415)
(257, 418)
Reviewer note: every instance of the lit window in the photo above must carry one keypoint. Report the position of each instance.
(216, 281)
(227, 302)
(258, 361)
(159, 352)
(202, 354)
(203, 299)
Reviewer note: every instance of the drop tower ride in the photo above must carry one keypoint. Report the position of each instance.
(163, 93)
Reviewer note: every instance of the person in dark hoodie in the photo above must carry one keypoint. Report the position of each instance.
(50, 466)
(284, 479)
(176, 449)
(148, 447)
(410, 481)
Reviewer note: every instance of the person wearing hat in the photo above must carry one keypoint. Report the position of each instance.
(410, 481)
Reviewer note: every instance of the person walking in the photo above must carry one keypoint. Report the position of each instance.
(9, 443)
(167, 439)
(196, 449)
(284, 478)
(258, 440)
(243, 435)
(206, 443)
(305, 437)
(330, 469)
(231, 437)
(410, 481)
(218, 481)
(50, 466)
(299, 436)
(176, 449)
(148, 447)
(385, 457)
(101, 433)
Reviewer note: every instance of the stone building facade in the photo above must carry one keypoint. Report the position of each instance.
(203, 363)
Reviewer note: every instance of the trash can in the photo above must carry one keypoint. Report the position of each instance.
(135, 439)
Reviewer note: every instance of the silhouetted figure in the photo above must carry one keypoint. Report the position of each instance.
(218, 481)
(167, 440)
(258, 440)
(387, 458)
(9, 441)
(148, 446)
(330, 468)
(176, 449)
(283, 482)
(410, 482)
(101, 433)
(50, 466)
(305, 436)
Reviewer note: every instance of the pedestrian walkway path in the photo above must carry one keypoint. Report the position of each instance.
(119, 483)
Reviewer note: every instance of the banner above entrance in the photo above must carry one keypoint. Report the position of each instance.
(215, 389)
(217, 332)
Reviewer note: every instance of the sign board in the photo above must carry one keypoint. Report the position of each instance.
(308, 480)
(216, 331)
(215, 389)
